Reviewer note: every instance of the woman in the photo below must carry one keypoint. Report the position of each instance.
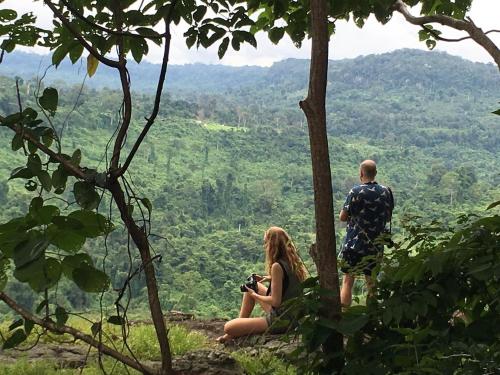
(285, 272)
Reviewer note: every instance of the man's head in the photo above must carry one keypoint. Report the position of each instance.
(367, 171)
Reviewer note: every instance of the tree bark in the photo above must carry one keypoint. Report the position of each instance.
(315, 111)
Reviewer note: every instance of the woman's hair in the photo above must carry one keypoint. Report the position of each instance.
(279, 245)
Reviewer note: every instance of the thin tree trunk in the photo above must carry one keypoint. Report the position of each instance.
(314, 109)
(140, 239)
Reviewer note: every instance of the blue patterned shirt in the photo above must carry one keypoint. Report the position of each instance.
(369, 207)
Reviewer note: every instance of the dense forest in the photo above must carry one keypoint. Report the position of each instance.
(229, 156)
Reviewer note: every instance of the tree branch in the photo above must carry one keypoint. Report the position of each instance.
(70, 167)
(156, 107)
(81, 39)
(475, 33)
(61, 329)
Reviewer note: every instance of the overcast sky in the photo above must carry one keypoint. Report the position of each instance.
(348, 42)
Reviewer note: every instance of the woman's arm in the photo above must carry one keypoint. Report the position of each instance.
(276, 288)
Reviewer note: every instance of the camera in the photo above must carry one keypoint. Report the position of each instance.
(250, 283)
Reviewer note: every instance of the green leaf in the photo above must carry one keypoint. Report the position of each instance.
(85, 195)
(75, 52)
(223, 47)
(45, 180)
(17, 323)
(276, 33)
(49, 100)
(59, 54)
(497, 112)
(48, 137)
(17, 338)
(349, 325)
(30, 250)
(40, 274)
(92, 64)
(430, 44)
(66, 239)
(147, 203)
(7, 15)
(95, 328)
(90, 279)
(494, 204)
(68, 223)
(71, 262)
(21, 173)
(94, 224)
(28, 326)
(59, 179)
(76, 158)
(61, 316)
(41, 306)
(45, 214)
(200, 12)
(17, 142)
(116, 320)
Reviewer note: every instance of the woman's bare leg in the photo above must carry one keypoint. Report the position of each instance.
(244, 326)
(236, 326)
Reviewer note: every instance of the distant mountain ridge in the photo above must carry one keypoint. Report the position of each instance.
(428, 68)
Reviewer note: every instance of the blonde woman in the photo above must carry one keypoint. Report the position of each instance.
(285, 273)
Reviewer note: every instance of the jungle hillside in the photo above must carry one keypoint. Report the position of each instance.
(229, 156)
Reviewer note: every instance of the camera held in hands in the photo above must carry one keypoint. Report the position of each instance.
(250, 283)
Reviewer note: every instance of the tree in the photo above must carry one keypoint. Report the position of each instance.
(100, 29)
(317, 20)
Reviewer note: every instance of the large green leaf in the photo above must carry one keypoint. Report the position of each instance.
(94, 224)
(15, 339)
(30, 250)
(40, 274)
(65, 239)
(90, 279)
(71, 262)
(85, 195)
(49, 100)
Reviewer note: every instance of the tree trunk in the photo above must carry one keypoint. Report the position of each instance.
(314, 109)
(140, 239)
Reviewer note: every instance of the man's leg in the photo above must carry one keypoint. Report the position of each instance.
(346, 292)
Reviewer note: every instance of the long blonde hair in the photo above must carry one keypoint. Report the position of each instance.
(279, 245)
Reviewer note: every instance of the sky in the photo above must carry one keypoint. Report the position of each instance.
(348, 42)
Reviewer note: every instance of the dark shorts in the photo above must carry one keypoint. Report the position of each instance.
(357, 263)
(277, 324)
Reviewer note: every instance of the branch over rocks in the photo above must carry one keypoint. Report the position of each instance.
(53, 327)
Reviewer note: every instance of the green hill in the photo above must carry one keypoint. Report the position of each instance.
(229, 156)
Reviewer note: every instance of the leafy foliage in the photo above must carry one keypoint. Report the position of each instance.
(436, 309)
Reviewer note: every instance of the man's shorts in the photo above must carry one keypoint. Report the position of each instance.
(357, 263)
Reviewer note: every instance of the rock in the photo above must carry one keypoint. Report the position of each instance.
(207, 362)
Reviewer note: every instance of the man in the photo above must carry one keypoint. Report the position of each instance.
(367, 209)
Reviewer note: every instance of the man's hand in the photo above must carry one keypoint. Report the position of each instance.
(344, 216)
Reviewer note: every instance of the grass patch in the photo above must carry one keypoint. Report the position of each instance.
(219, 127)
(42, 367)
(143, 341)
(263, 364)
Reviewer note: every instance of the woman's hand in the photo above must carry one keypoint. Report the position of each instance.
(252, 293)
(262, 279)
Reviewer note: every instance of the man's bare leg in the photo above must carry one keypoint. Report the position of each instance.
(346, 292)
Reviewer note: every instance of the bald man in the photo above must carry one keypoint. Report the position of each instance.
(367, 210)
